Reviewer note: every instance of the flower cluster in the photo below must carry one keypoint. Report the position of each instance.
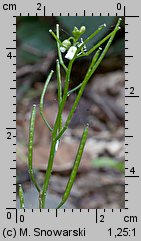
(71, 47)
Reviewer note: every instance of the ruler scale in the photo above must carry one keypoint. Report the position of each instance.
(86, 224)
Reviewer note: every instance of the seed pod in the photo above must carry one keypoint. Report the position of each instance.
(75, 167)
(21, 196)
(42, 99)
(30, 146)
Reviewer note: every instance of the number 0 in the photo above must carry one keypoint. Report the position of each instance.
(9, 215)
(118, 6)
(21, 218)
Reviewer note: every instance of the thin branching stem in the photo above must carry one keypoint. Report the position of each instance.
(55, 36)
(64, 98)
(74, 89)
(95, 33)
(47, 175)
(96, 46)
(93, 66)
(87, 77)
(107, 46)
(54, 134)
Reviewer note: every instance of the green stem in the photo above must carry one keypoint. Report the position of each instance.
(47, 175)
(55, 36)
(64, 97)
(89, 38)
(30, 146)
(96, 46)
(92, 64)
(59, 90)
(99, 44)
(74, 89)
(54, 134)
(87, 77)
(75, 167)
(107, 46)
(94, 34)
(58, 48)
(42, 100)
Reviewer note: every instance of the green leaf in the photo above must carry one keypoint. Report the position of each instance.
(106, 162)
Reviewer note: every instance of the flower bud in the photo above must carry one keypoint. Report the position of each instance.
(66, 44)
(82, 29)
(71, 52)
(78, 32)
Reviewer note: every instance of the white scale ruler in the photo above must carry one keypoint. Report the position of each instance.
(85, 224)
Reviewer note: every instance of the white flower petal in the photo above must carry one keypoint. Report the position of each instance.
(62, 49)
(71, 52)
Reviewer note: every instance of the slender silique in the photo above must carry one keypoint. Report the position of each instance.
(21, 196)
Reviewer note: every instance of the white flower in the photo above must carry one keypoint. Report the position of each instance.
(63, 49)
(71, 52)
